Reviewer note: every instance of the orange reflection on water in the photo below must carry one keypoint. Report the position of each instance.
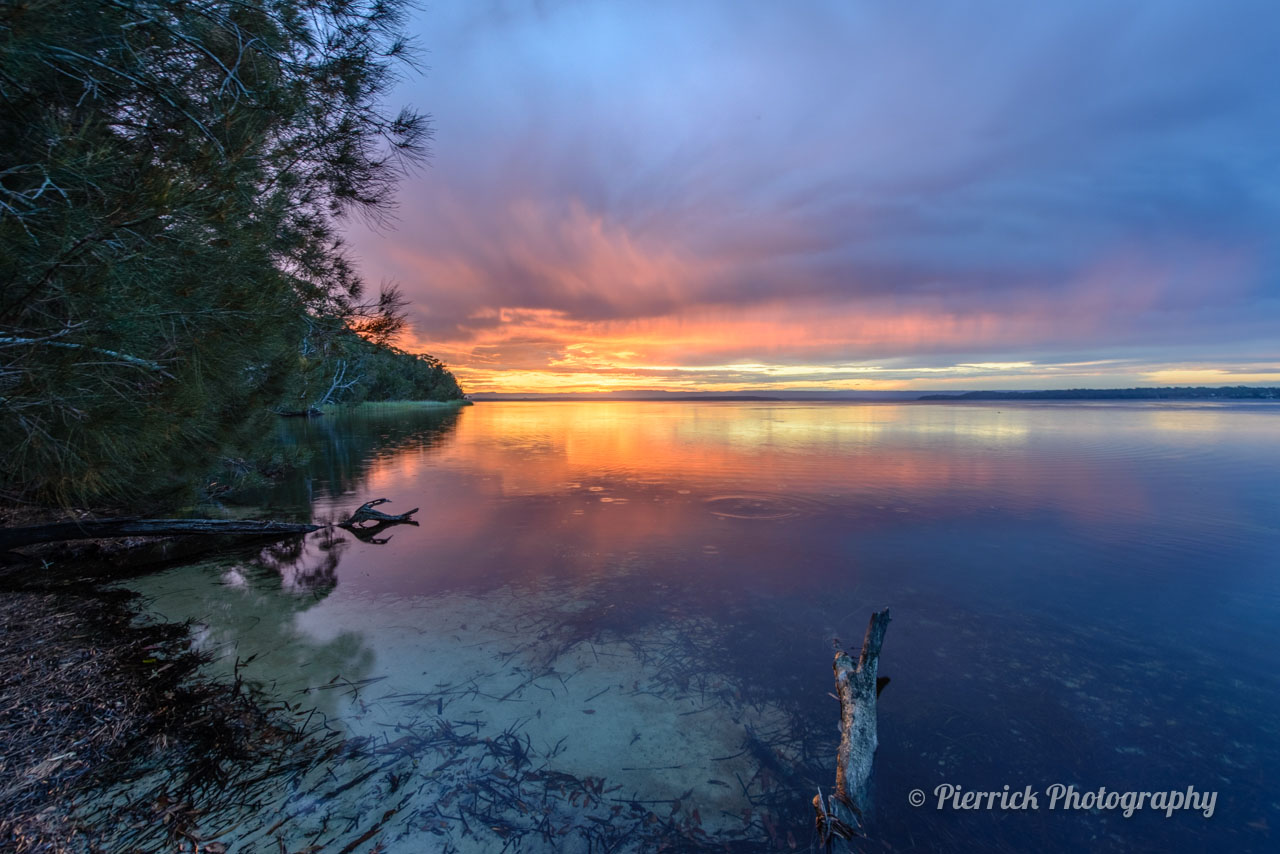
(545, 488)
(539, 447)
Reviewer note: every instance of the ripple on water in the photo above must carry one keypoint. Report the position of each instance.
(760, 505)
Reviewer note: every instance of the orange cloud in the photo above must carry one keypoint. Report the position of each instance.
(565, 300)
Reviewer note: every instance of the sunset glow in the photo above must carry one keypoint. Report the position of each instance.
(862, 196)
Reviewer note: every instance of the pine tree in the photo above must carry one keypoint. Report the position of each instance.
(172, 175)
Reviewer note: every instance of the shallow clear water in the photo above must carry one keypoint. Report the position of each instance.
(614, 622)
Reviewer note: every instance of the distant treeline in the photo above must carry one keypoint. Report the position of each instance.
(172, 272)
(351, 369)
(1239, 392)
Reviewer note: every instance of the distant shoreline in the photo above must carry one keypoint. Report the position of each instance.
(1162, 393)
(1167, 393)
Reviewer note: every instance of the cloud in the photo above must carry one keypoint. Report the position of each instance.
(827, 182)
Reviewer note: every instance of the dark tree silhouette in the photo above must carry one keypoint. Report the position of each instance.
(172, 177)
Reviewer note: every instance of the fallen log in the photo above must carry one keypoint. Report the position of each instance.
(93, 529)
(136, 526)
(857, 686)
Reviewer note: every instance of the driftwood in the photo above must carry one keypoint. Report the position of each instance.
(357, 523)
(366, 513)
(92, 529)
(857, 687)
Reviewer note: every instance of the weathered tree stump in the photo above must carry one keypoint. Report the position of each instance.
(857, 686)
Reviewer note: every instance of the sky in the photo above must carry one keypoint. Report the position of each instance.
(842, 194)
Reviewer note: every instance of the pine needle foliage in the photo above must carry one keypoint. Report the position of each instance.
(172, 177)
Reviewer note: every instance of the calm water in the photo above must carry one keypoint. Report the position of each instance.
(614, 623)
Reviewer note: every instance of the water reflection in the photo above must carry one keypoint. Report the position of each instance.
(633, 591)
(306, 565)
(339, 450)
(731, 491)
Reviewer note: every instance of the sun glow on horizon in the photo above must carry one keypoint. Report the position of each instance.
(543, 353)
(759, 209)
(619, 314)
(605, 365)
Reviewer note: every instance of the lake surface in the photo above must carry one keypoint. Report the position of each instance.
(614, 623)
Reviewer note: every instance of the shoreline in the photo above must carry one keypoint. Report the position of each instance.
(384, 405)
(94, 697)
